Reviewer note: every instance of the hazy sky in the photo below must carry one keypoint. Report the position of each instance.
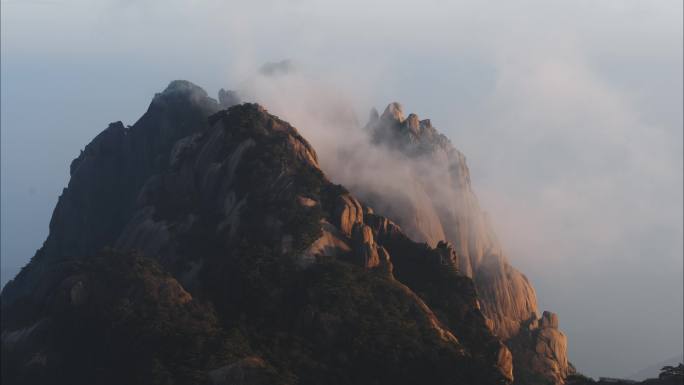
(570, 114)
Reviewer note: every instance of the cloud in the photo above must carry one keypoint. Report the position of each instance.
(282, 67)
(585, 191)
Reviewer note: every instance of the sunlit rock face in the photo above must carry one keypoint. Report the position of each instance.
(540, 347)
(205, 245)
(433, 201)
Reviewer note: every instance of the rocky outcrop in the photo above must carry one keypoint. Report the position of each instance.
(348, 213)
(394, 112)
(365, 246)
(447, 254)
(438, 188)
(540, 347)
(427, 271)
(226, 240)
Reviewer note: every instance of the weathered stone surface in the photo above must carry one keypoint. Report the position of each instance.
(332, 242)
(444, 289)
(365, 246)
(393, 112)
(348, 212)
(508, 298)
(505, 362)
(306, 202)
(302, 149)
(540, 347)
(448, 254)
(440, 183)
(413, 124)
(549, 320)
(385, 260)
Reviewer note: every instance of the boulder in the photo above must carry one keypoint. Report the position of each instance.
(413, 124)
(348, 212)
(549, 320)
(364, 244)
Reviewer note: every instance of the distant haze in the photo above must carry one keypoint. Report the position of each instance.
(570, 115)
(654, 370)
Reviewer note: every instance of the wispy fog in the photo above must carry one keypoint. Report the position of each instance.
(570, 115)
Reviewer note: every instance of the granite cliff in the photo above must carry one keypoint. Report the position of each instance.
(434, 203)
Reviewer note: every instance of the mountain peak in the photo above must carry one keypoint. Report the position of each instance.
(226, 214)
(394, 112)
(184, 88)
(410, 135)
(229, 208)
(442, 206)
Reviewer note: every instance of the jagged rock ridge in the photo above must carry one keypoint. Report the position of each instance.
(203, 245)
(436, 204)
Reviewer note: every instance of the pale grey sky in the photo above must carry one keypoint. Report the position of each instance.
(570, 114)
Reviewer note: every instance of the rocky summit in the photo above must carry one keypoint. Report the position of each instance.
(205, 245)
(445, 213)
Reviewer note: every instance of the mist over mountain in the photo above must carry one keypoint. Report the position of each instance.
(569, 113)
(205, 244)
(652, 371)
